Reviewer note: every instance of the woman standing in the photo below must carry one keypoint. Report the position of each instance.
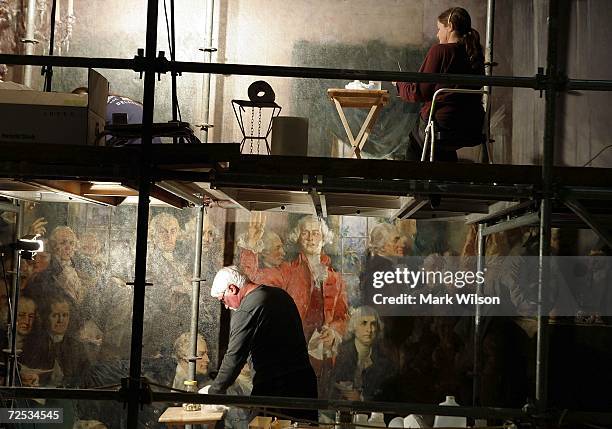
(458, 117)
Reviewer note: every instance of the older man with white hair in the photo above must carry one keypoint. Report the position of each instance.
(266, 325)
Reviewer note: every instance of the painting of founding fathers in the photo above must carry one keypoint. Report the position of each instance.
(355, 350)
(89, 263)
(307, 273)
(170, 268)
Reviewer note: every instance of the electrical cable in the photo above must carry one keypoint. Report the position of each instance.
(598, 153)
(122, 134)
(168, 29)
(172, 57)
(4, 276)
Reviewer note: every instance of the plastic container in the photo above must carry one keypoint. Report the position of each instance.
(414, 421)
(396, 422)
(375, 84)
(191, 386)
(450, 421)
(360, 421)
(377, 419)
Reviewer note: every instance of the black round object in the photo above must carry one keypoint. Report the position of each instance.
(261, 91)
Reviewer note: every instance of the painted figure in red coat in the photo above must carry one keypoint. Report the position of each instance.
(317, 289)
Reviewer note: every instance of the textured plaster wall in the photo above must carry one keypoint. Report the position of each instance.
(583, 126)
(586, 127)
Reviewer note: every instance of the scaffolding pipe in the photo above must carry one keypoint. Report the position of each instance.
(14, 298)
(210, 17)
(173, 73)
(399, 408)
(330, 73)
(524, 220)
(140, 271)
(588, 85)
(162, 65)
(77, 62)
(53, 393)
(602, 232)
(583, 192)
(542, 310)
(195, 292)
(18, 233)
(541, 388)
(489, 72)
(29, 40)
(402, 408)
(480, 255)
(365, 186)
(12, 367)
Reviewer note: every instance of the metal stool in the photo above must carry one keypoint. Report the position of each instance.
(430, 131)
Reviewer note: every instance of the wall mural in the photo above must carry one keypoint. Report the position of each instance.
(389, 137)
(74, 315)
(357, 354)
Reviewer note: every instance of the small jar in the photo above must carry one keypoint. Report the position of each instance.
(375, 84)
(191, 386)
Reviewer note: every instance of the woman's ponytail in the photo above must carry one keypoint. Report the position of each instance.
(474, 51)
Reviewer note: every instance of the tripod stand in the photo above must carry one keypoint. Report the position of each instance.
(26, 248)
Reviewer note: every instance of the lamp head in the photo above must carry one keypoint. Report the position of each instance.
(29, 246)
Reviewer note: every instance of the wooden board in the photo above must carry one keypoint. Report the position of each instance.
(178, 415)
(362, 98)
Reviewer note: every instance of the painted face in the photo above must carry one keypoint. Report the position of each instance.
(202, 364)
(274, 254)
(90, 245)
(64, 244)
(208, 236)
(443, 32)
(59, 318)
(394, 246)
(25, 316)
(311, 238)
(366, 330)
(41, 261)
(167, 235)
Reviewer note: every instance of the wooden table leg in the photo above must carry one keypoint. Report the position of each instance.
(364, 132)
(347, 129)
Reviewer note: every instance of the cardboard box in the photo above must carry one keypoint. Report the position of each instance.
(260, 422)
(280, 424)
(53, 117)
